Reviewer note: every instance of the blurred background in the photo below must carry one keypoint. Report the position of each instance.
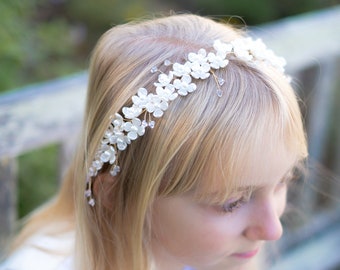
(43, 40)
(61, 33)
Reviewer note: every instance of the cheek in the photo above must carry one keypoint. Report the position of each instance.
(281, 201)
(201, 234)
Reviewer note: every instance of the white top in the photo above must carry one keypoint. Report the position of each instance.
(43, 252)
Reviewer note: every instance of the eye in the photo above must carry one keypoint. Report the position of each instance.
(284, 182)
(233, 204)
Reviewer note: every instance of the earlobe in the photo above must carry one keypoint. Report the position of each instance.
(103, 186)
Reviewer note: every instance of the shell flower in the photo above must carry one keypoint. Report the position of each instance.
(200, 71)
(217, 61)
(108, 154)
(97, 164)
(134, 129)
(166, 93)
(92, 171)
(108, 135)
(184, 85)
(180, 70)
(222, 49)
(131, 112)
(141, 99)
(121, 140)
(117, 122)
(116, 125)
(279, 63)
(259, 50)
(156, 105)
(200, 57)
(165, 80)
(241, 49)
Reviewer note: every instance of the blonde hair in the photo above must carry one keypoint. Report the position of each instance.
(173, 157)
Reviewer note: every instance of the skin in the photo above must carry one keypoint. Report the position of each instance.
(228, 236)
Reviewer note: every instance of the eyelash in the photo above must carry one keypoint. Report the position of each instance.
(232, 206)
(284, 182)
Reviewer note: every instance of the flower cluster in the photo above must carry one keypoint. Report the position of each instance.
(131, 124)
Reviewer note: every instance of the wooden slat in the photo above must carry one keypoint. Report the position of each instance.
(8, 198)
(304, 40)
(41, 114)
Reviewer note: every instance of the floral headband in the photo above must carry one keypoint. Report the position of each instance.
(126, 128)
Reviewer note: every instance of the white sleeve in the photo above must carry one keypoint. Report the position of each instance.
(42, 252)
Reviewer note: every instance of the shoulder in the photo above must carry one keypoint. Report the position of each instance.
(43, 252)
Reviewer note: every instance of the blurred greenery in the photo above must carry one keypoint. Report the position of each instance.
(30, 43)
(44, 39)
(37, 178)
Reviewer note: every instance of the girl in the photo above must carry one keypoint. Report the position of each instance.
(190, 136)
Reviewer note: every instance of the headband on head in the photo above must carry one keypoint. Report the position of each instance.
(123, 129)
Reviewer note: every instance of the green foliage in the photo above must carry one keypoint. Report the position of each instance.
(254, 12)
(12, 35)
(98, 16)
(101, 13)
(37, 178)
(41, 39)
(31, 48)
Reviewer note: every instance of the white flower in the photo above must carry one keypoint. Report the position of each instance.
(117, 122)
(166, 93)
(115, 134)
(120, 140)
(200, 71)
(184, 85)
(216, 61)
(259, 50)
(156, 105)
(180, 70)
(222, 49)
(199, 58)
(132, 112)
(243, 55)
(116, 126)
(97, 164)
(108, 135)
(92, 171)
(134, 128)
(279, 63)
(199, 64)
(141, 99)
(241, 49)
(108, 154)
(152, 103)
(165, 80)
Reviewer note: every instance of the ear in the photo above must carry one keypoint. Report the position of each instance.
(103, 186)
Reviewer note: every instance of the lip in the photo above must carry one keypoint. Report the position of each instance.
(246, 255)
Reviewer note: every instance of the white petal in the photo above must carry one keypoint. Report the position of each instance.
(132, 135)
(158, 113)
(142, 92)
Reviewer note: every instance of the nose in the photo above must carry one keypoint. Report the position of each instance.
(264, 223)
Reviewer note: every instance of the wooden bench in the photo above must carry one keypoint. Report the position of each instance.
(51, 112)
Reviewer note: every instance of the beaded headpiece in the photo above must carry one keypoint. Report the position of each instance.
(146, 107)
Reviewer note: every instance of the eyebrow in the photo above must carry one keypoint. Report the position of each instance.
(251, 188)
